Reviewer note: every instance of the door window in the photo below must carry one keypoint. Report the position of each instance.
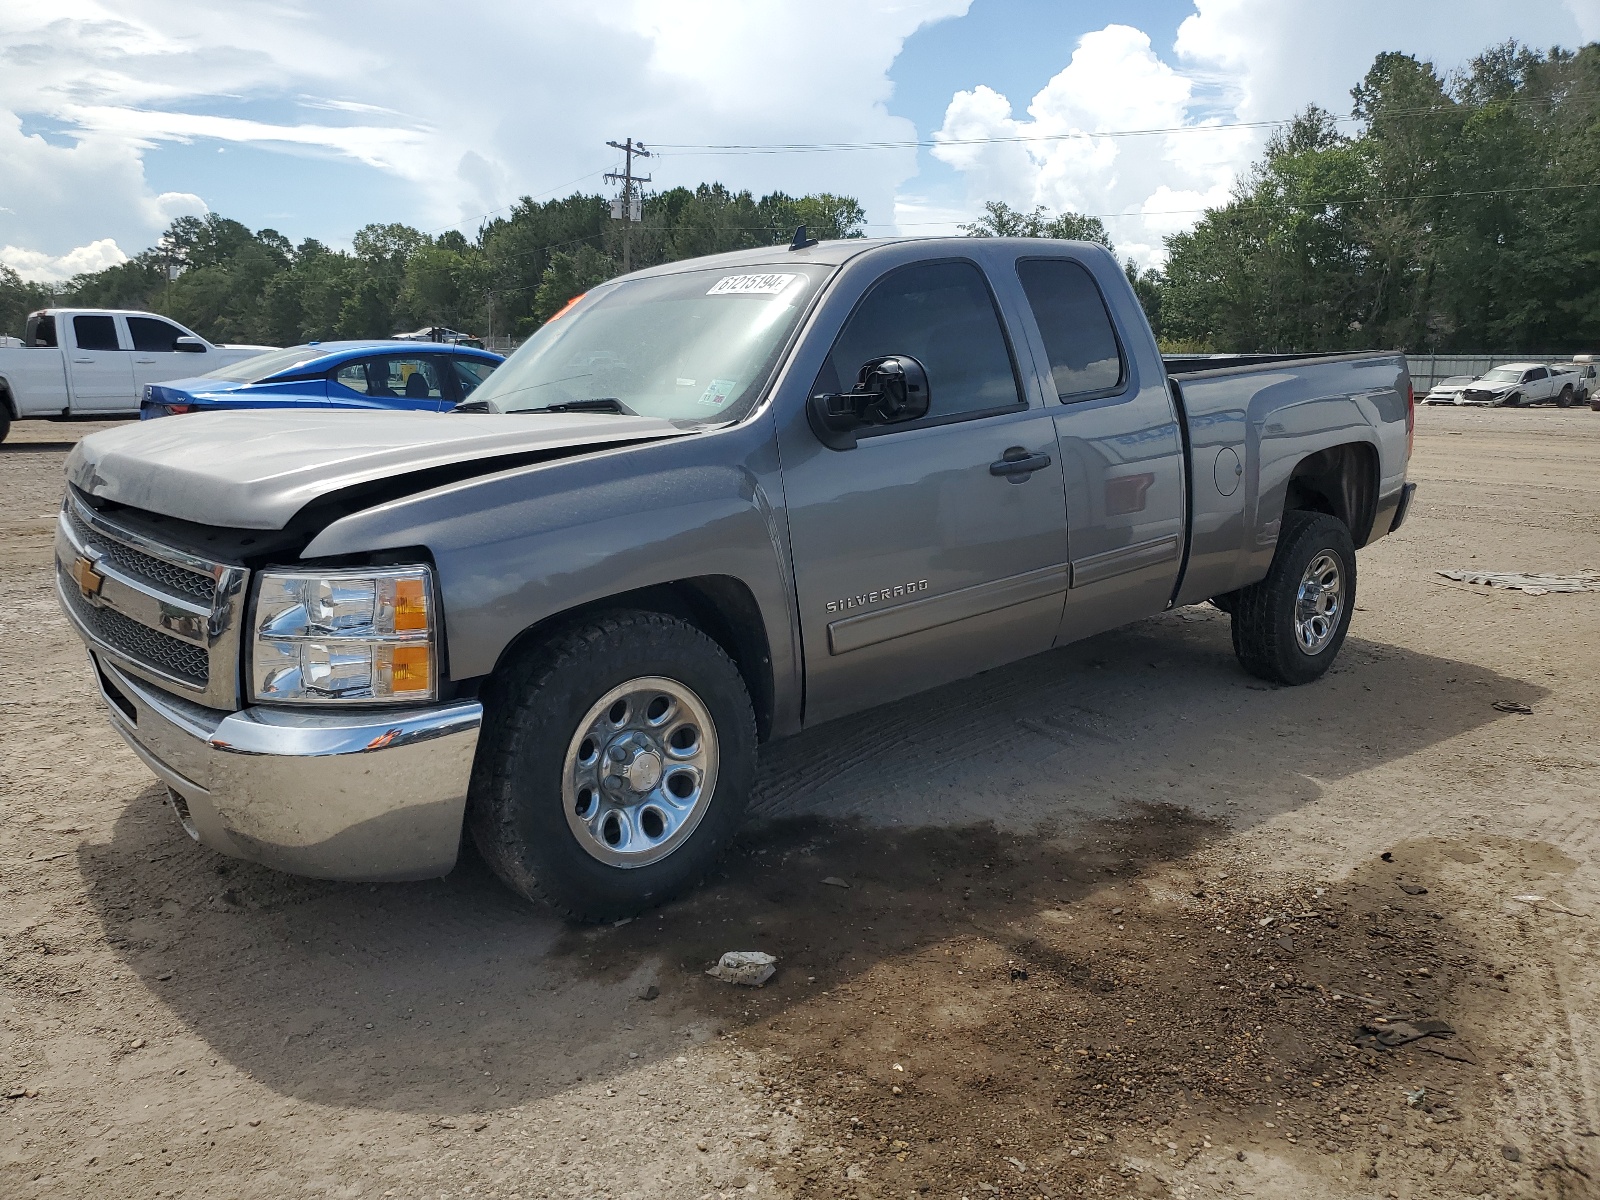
(153, 336)
(41, 330)
(943, 316)
(1085, 357)
(1536, 373)
(95, 332)
(470, 372)
(411, 377)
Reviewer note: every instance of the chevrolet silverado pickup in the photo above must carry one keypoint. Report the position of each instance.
(707, 505)
(95, 362)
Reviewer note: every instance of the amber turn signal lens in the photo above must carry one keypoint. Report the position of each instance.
(410, 604)
(409, 669)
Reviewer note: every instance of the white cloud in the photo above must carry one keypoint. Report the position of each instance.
(1236, 61)
(465, 125)
(1114, 82)
(42, 268)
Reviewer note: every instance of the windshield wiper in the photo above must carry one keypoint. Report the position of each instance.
(600, 404)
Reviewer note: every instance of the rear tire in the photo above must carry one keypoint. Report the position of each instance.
(1565, 399)
(5, 420)
(655, 709)
(1289, 627)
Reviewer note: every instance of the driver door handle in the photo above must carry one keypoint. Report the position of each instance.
(1017, 463)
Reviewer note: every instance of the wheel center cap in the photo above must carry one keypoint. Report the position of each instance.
(643, 771)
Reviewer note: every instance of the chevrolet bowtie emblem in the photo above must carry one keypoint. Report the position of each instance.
(89, 580)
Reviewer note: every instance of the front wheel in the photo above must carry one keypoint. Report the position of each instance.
(617, 760)
(1288, 628)
(1513, 401)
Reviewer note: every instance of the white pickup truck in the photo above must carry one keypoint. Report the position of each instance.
(94, 362)
(1519, 384)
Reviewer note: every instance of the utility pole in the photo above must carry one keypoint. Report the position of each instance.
(626, 209)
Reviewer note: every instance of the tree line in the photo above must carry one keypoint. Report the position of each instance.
(222, 280)
(1460, 213)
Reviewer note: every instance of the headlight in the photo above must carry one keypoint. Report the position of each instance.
(363, 637)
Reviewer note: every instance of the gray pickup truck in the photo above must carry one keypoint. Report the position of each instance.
(707, 505)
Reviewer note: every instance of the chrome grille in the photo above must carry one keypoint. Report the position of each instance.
(127, 636)
(145, 566)
(160, 613)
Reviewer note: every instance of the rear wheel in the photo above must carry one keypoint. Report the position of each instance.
(5, 420)
(617, 762)
(1565, 399)
(1288, 628)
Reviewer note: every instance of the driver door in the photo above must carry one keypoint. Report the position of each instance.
(936, 548)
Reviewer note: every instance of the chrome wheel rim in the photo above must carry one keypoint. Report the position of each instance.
(639, 772)
(1319, 603)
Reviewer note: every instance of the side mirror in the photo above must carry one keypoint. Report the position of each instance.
(888, 391)
(189, 345)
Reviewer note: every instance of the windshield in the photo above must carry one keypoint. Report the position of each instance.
(1502, 375)
(696, 346)
(254, 370)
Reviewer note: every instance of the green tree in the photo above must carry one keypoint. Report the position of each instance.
(999, 219)
(570, 274)
(1458, 215)
(18, 298)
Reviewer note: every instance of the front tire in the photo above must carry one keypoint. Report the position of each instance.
(1289, 627)
(617, 760)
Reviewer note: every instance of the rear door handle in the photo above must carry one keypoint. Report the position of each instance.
(1017, 463)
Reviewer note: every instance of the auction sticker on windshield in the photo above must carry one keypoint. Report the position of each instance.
(719, 391)
(751, 285)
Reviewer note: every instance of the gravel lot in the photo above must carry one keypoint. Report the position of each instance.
(1116, 918)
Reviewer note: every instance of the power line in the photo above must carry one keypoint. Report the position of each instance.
(678, 149)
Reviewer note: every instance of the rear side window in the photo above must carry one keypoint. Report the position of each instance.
(943, 316)
(1085, 356)
(155, 336)
(409, 377)
(41, 330)
(95, 333)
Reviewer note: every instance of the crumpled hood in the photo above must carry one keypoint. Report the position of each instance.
(256, 470)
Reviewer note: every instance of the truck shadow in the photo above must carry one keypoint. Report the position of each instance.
(967, 811)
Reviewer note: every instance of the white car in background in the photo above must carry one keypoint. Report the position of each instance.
(1517, 385)
(1448, 391)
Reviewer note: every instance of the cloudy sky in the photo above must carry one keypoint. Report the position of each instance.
(315, 119)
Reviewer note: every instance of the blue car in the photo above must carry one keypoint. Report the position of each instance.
(372, 374)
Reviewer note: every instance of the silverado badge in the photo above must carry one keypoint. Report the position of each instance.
(89, 580)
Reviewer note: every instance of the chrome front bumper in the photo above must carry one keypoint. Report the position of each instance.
(356, 795)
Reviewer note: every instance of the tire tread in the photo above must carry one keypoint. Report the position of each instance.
(512, 700)
(1263, 644)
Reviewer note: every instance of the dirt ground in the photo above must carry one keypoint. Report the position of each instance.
(1117, 921)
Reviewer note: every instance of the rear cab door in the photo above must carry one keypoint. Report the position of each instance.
(1118, 429)
(36, 374)
(935, 548)
(99, 363)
